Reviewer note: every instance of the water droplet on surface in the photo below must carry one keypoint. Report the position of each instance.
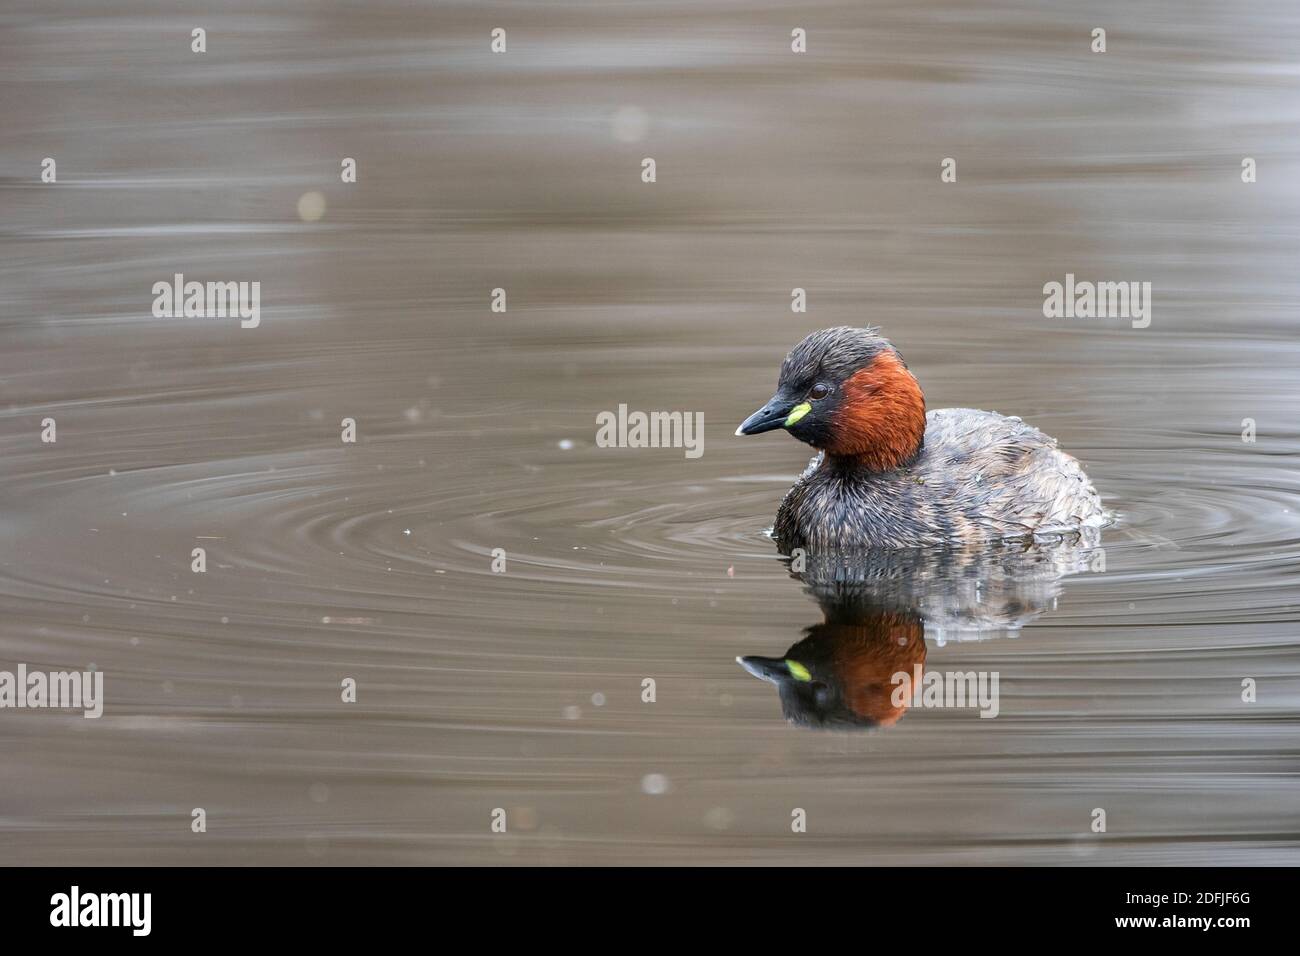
(629, 124)
(311, 206)
(654, 784)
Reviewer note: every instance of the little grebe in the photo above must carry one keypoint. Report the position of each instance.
(890, 476)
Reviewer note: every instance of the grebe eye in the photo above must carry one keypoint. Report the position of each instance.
(820, 390)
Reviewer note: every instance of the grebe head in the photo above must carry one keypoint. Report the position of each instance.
(842, 674)
(847, 392)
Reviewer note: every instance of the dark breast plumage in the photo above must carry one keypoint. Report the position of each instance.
(979, 476)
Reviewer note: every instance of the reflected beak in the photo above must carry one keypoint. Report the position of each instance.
(771, 416)
(771, 669)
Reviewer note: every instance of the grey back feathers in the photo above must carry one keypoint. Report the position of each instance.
(980, 476)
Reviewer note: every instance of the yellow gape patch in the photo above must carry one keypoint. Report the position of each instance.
(798, 671)
(796, 413)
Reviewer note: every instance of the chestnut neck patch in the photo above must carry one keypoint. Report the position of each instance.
(880, 421)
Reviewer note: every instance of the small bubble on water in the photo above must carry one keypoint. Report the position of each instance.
(719, 818)
(525, 818)
(654, 784)
(311, 206)
(565, 444)
(629, 124)
(572, 712)
(598, 699)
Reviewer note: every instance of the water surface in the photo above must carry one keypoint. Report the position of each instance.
(1121, 682)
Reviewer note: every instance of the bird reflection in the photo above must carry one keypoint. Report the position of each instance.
(879, 608)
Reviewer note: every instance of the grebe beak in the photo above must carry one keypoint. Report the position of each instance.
(771, 669)
(771, 416)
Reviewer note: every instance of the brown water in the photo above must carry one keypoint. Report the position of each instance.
(1120, 688)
